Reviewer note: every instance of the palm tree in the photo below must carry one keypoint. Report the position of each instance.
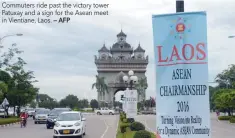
(141, 86)
(100, 85)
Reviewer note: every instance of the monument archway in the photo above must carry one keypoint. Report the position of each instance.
(118, 102)
(114, 63)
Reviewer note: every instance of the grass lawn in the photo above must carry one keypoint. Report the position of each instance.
(4, 121)
(119, 134)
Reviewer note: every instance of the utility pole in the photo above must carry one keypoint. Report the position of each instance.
(179, 5)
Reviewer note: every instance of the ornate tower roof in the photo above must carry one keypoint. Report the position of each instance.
(121, 34)
(103, 49)
(121, 45)
(139, 49)
(120, 59)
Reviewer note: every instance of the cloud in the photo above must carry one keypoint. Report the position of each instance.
(77, 85)
(62, 55)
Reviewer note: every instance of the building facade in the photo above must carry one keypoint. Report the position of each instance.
(114, 63)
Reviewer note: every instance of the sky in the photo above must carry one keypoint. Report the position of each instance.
(62, 55)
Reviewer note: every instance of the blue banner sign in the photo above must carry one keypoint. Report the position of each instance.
(181, 59)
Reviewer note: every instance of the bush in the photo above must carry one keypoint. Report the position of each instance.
(122, 117)
(224, 117)
(232, 120)
(130, 120)
(137, 126)
(142, 134)
(87, 111)
(5, 121)
(75, 109)
(124, 120)
(123, 127)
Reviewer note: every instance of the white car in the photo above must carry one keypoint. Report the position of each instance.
(41, 116)
(105, 111)
(30, 112)
(70, 123)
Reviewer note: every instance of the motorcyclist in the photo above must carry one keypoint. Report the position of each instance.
(24, 115)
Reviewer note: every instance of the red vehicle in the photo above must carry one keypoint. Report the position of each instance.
(23, 117)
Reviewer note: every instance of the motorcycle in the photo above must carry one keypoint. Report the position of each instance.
(23, 122)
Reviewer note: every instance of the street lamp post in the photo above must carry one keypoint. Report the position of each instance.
(130, 80)
(8, 36)
(179, 5)
(231, 36)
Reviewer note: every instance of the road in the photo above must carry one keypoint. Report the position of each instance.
(103, 126)
(220, 129)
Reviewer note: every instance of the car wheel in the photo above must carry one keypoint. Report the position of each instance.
(48, 127)
(98, 113)
(80, 136)
(35, 122)
(55, 137)
(110, 113)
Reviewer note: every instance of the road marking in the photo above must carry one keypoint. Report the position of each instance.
(107, 127)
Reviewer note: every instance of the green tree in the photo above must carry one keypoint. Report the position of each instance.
(226, 78)
(84, 103)
(21, 88)
(212, 91)
(224, 100)
(8, 56)
(4, 82)
(94, 104)
(3, 89)
(69, 101)
(50, 104)
(44, 97)
(5, 76)
(149, 103)
(47, 102)
(141, 86)
(100, 85)
(33, 104)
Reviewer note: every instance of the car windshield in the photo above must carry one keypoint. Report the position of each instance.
(69, 117)
(56, 112)
(43, 112)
